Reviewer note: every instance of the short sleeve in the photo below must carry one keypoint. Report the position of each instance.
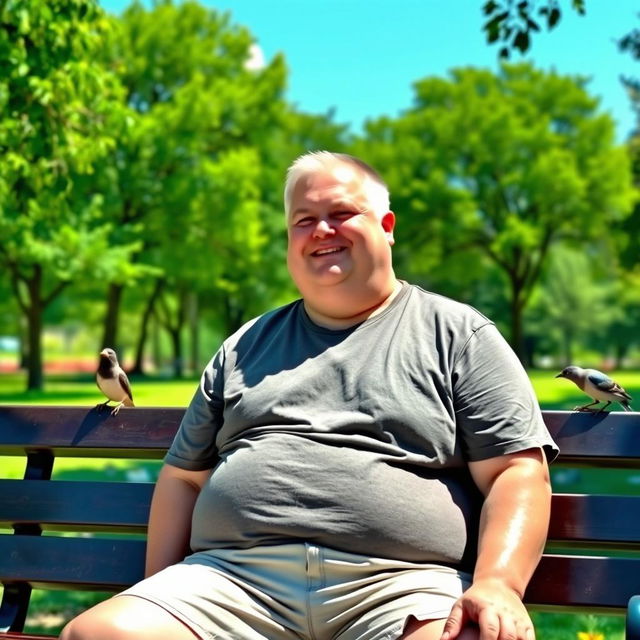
(496, 409)
(194, 446)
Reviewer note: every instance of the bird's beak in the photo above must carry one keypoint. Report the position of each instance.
(559, 375)
(104, 352)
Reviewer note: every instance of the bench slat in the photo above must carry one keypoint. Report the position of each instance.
(146, 432)
(584, 581)
(609, 439)
(76, 505)
(83, 431)
(595, 518)
(75, 563)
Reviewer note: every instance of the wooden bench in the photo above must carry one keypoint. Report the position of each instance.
(592, 561)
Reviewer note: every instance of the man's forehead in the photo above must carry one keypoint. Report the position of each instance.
(340, 177)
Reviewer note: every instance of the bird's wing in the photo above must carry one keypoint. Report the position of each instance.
(124, 381)
(618, 390)
(600, 380)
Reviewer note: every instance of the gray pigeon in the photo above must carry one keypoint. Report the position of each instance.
(597, 385)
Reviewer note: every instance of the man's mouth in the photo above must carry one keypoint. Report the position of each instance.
(327, 251)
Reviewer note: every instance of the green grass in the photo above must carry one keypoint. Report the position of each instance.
(51, 608)
(552, 393)
(82, 390)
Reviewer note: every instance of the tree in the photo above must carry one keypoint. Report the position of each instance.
(57, 109)
(504, 166)
(512, 22)
(576, 300)
(193, 98)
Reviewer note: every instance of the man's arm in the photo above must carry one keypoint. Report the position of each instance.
(170, 518)
(513, 530)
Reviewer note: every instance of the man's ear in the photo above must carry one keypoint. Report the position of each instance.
(388, 222)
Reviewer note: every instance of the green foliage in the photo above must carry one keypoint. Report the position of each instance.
(503, 166)
(58, 106)
(513, 22)
(576, 302)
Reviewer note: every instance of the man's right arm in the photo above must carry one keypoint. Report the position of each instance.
(170, 518)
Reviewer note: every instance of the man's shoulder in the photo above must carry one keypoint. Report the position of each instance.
(447, 309)
(265, 322)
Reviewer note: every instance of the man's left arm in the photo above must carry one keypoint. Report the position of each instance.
(513, 530)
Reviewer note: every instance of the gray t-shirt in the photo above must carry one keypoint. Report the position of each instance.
(356, 439)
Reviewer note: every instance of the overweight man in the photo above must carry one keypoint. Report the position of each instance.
(366, 462)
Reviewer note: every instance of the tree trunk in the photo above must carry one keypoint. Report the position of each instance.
(138, 367)
(23, 332)
(174, 322)
(35, 377)
(620, 353)
(234, 314)
(517, 333)
(112, 315)
(178, 358)
(567, 346)
(194, 330)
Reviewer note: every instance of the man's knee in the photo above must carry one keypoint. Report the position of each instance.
(115, 619)
(126, 618)
(93, 626)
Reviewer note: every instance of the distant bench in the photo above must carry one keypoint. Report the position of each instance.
(594, 566)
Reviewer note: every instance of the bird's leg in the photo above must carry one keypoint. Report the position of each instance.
(586, 407)
(114, 411)
(605, 406)
(102, 406)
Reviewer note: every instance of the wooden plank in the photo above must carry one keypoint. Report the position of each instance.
(595, 518)
(101, 564)
(70, 505)
(11, 635)
(84, 431)
(584, 581)
(596, 439)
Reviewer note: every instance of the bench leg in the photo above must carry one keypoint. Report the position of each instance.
(15, 603)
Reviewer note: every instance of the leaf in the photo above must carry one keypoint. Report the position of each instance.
(533, 26)
(521, 41)
(579, 6)
(553, 18)
(489, 7)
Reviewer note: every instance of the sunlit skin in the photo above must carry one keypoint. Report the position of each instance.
(339, 252)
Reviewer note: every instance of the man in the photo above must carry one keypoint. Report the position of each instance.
(367, 462)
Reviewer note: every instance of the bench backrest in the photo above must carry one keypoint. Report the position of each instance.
(592, 559)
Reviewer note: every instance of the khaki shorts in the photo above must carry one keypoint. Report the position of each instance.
(300, 591)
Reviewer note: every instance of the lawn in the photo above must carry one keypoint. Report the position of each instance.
(51, 608)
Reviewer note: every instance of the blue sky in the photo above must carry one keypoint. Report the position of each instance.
(362, 56)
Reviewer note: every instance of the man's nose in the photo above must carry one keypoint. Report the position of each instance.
(323, 229)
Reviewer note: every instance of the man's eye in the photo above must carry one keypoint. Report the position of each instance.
(303, 222)
(342, 215)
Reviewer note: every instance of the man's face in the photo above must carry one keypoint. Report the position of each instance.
(334, 235)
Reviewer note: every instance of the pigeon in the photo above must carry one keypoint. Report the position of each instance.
(597, 385)
(113, 382)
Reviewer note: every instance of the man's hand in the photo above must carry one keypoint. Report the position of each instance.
(495, 608)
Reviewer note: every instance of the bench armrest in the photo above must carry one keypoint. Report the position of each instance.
(633, 619)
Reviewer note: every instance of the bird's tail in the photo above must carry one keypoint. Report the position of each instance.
(626, 406)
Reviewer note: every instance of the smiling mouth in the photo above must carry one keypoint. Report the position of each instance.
(327, 252)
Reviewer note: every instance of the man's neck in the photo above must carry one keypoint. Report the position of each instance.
(343, 316)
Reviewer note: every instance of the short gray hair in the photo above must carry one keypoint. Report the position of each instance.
(320, 160)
